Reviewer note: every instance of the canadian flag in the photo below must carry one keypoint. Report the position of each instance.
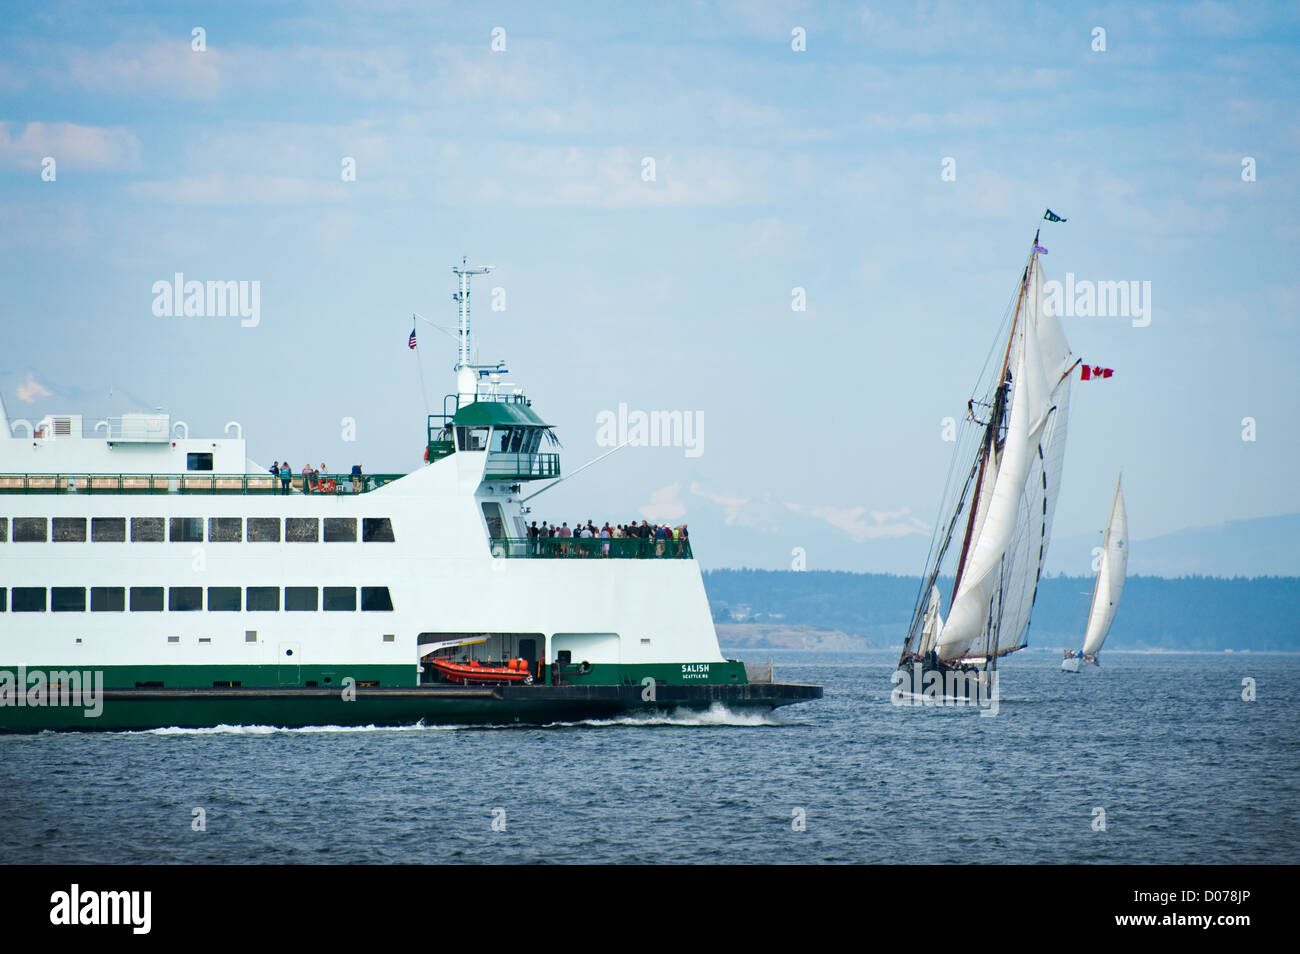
(1096, 371)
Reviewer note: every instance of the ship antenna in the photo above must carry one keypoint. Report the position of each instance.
(466, 382)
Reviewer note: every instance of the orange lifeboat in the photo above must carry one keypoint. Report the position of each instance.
(476, 673)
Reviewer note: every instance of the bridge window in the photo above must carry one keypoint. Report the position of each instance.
(186, 529)
(223, 599)
(301, 530)
(146, 599)
(107, 599)
(263, 599)
(69, 529)
(340, 599)
(107, 529)
(263, 529)
(68, 599)
(27, 599)
(300, 599)
(198, 461)
(472, 438)
(30, 530)
(376, 599)
(4, 529)
(377, 530)
(147, 530)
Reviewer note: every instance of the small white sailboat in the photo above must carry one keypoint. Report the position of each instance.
(1109, 586)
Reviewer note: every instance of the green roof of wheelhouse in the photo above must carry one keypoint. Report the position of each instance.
(497, 414)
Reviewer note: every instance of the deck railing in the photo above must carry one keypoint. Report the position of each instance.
(522, 466)
(190, 483)
(592, 548)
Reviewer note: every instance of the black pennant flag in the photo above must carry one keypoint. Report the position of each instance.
(1052, 216)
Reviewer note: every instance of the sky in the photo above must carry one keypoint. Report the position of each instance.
(658, 186)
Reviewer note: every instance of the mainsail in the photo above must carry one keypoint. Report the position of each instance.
(1110, 576)
(1009, 495)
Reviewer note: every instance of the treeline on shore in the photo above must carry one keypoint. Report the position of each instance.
(1189, 613)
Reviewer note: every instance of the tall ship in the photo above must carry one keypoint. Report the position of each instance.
(1106, 591)
(149, 579)
(996, 518)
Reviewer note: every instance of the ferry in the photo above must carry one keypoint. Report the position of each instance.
(150, 579)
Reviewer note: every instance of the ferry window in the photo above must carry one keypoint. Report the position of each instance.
(146, 529)
(263, 598)
(27, 599)
(301, 530)
(534, 439)
(185, 599)
(107, 599)
(376, 599)
(30, 529)
(198, 461)
(518, 438)
(4, 601)
(495, 523)
(225, 529)
(340, 598)
(377, 530)
(472, 438)
(340, 529)
(146, 599)
(223, 599)
(107, 529)
(68, 599)
(69, 529)
(186, 530)
(501, 439)
(263, 529)
(4, 529)
(300, 599)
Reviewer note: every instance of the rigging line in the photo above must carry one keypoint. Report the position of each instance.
(419, 366)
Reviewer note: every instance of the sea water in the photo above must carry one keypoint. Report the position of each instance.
(1162, 758)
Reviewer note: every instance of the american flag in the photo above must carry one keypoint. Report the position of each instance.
(410, 343)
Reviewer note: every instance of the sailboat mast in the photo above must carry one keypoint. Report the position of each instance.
(990, 435)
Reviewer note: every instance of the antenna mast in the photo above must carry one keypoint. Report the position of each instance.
(466, 378)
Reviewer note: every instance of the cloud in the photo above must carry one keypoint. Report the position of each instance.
(218, 189)
(849, 520)
(166, 67)
(664, 505)
(72, 146)
(31, 390)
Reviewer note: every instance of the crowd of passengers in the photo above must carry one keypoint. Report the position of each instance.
(314, 479)
(589, 531)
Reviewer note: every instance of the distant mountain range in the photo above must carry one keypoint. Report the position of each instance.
(1192, 613)
(1264, 546)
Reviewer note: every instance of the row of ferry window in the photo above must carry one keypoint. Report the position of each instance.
(190, 529)
(181, 599)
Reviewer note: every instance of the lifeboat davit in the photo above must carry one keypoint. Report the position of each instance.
(475, 672)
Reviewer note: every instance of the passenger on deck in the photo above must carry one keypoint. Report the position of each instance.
(286, 475)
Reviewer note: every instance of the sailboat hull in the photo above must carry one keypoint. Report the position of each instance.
(1070, 664)
(940, 680)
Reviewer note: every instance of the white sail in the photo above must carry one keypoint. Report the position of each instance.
(932, 628)
(1005, 560)
(1110, 576)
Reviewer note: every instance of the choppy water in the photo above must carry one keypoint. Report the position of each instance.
(1186, 771)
